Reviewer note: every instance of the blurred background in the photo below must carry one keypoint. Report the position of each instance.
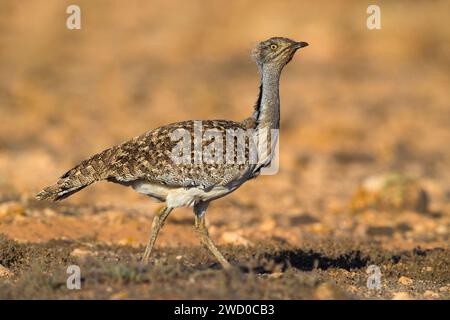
(365, 124)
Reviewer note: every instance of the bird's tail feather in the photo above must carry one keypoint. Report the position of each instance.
(73, 181)
(58, 191)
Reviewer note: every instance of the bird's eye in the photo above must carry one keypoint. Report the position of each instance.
(273, 46)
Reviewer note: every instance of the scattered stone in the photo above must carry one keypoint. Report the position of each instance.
(275, 275)
(268, 224)
(49, 212)
(82, 253)
(213, 230)
(352, 289)
(119, 295)
(390, 192)
(11, 209)
(405, 281)
(444, 289)
(234, 238)
(5, 272)
(326, 291)
(178, 257)
(431, 294)
(128, 242)
(320, 228)
(340, 273)
(441, 229)
(401, 296)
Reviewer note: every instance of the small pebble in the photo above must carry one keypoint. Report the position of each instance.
(401, 296)
(119, 295)
(275, 275)
(11, 209)
(352, 289)
(431, 294)
(81, 253)
(5, 272)
(268, 224)
(234, 238)
(325, 292)
(405, 281)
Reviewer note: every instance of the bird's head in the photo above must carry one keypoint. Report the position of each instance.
(276, 51)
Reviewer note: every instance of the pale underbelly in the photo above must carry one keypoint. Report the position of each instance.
(183, 197)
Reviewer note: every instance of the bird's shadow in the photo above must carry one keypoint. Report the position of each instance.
(306, 261)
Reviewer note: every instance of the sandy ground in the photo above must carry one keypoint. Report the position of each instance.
(364, 163)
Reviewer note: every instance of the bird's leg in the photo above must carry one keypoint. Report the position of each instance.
(202, 231)
(158, 222)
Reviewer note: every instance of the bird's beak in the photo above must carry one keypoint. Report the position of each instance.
(298, 45)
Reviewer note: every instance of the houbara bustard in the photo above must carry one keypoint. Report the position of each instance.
(147, 162)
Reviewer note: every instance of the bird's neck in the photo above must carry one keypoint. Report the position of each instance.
(267, 108)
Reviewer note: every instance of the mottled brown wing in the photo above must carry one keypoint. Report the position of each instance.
(150, 157)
